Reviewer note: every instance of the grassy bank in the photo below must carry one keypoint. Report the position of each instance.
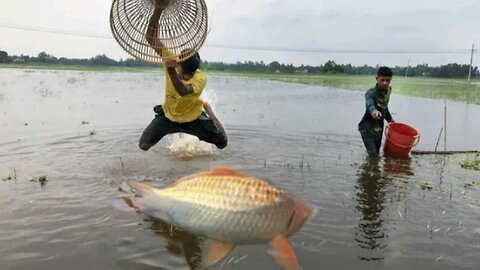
(452, 89)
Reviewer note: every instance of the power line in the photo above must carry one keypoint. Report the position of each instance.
(53, 31)
(244, 47)
(346, 51)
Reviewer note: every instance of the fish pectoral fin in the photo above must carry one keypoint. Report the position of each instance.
(281, 250)
(213, 251)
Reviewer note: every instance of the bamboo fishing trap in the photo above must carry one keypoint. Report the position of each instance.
(183, 26)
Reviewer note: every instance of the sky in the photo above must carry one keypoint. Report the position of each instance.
(406, 25)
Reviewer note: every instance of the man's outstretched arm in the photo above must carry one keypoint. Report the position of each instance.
(152, 32)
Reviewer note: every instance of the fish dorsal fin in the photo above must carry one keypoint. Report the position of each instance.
(281, 250)
(213, 251)
(225, 171)
(216, 171)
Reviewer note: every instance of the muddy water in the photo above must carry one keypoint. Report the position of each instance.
(81, 129)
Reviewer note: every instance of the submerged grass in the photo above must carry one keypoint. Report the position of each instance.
(471, 164)
(10, 177)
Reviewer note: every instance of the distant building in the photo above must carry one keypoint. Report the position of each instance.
(304, 71)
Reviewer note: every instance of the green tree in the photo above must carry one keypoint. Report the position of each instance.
(4, 57)
(332, 67)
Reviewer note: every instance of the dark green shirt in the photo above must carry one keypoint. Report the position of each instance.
(375, 100)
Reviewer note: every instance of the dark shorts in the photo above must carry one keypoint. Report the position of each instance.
(203, 128)
(372, 141)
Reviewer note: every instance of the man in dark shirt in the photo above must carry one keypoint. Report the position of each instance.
(376, 111)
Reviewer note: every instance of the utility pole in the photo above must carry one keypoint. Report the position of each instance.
(471, 63)
(445, 126)
(408, 66)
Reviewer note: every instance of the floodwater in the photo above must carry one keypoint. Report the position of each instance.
(81, 129)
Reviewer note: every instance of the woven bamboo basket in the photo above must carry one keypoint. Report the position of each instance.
(183, 25)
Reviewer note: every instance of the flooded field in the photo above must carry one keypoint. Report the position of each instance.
(80, 130)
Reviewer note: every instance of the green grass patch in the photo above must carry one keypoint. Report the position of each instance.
(437, 88)
(471, 164)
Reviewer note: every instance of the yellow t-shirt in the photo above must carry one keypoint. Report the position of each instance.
(183, 109)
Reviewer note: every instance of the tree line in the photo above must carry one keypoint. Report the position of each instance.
(452, 70)
(99, 60)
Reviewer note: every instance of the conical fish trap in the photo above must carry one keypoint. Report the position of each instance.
(183, 25)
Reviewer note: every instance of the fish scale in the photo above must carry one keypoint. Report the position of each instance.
(228, 209)
(216, 198)
(210, 190)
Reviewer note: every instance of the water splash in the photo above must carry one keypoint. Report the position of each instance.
(186, 146)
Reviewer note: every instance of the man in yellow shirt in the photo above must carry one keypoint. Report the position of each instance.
(182, 110)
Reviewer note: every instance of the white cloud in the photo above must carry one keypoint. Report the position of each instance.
(329, 24)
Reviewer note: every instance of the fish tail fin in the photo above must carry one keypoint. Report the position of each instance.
(137, 201)
(149, 200)
(142, 190)
(129, 203)
(134, 202)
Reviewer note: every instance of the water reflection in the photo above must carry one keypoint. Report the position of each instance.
(372, 193)
(179, 242)
(370, 196)
(398, 167)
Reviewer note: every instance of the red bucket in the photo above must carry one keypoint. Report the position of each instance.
(400, 139)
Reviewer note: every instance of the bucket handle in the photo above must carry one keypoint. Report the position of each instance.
(417, 139)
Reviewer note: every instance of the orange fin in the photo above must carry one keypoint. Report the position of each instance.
(129, 202)
(213, 251)
(124, 204)
(281, 250)
(225, 171)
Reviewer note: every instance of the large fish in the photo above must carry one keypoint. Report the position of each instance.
(227, 208)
